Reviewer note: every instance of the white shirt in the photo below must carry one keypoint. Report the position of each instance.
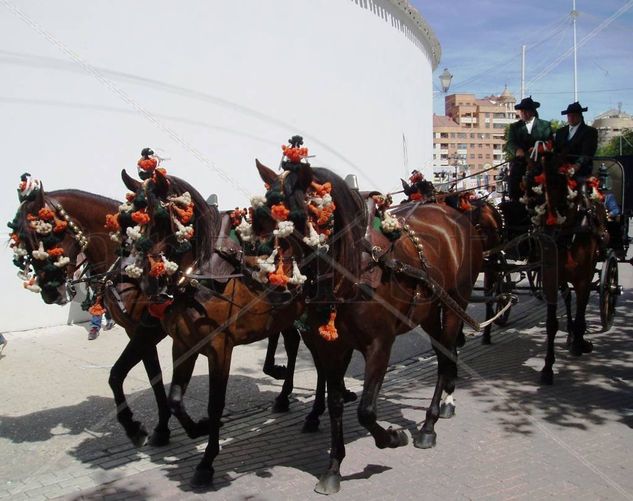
(572, 131)
(529, 124)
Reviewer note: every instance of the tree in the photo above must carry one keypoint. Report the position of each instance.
(612, 148)
(556, 124)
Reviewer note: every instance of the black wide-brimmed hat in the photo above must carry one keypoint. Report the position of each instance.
(573, 108)
(527, 104)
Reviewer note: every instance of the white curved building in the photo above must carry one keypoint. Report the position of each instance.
(210, 86)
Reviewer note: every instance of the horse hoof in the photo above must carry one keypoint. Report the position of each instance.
(199, 429)
(278, 372)
(547, 377)
(202, 479)
(280, 405)
(425, 440)
(139, 437)
(398, 438)
(447, 411)
(310, 426)
(159, 438)
(329, 483)
(349, 396)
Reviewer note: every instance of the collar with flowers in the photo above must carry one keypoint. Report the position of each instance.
(129, 226)
(50, 226)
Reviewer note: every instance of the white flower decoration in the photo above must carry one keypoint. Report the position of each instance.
(183, 200)
(258, 201)
(115, 236)
(133, 232)
(245, 231)
(267, 264)
(170, 266)
(20, 251)
(125, 207)
(41, 227)
(297, 278)
(389, 224)
(62, 261)
(32, 286)
(284, 229)
(133, 271)
(538, 189)
(40, 254)
(184, 232)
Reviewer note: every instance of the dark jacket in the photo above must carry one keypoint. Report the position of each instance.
(580, 149)
(518, 136)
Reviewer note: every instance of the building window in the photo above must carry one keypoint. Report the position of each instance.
(472, 155)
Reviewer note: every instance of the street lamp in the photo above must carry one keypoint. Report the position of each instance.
(445, 80)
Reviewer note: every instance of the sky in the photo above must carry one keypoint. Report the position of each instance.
(481, 46)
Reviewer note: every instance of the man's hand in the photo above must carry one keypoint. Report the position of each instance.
(519, 153)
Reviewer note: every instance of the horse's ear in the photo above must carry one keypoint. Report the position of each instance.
(305, 176)
(405, 185)
(268, 175)
(161, 183)
(130, 183)
(39, 201)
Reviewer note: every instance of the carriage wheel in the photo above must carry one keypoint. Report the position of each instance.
(536, 282)
(609, 290)
(503, 283)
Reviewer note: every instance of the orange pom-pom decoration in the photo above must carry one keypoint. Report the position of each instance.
(112, 222)
(31, 217)
(294, 155)
(96, 310)
(157, 269)
(279, 212)
(322, 189)
(184, 215)
(540, 179)
(572, 183)
(46, 214)
(551, 219)
(464, 203)
(60, 226)
(279, 277)
(148, 164)
(55, 252)
(130, 196)
(415, 196)
(328, 331)
(140, 217)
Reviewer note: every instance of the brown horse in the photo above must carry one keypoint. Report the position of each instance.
(571, 233)
(202, 320)
(434, 243)
(80, 216)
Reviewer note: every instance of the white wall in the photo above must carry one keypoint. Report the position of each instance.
(211, 85)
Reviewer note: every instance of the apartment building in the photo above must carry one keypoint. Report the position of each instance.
(470, 136)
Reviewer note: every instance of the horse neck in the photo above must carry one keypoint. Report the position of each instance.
(89, 212)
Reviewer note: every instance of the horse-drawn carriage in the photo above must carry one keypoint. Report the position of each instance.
(508, 272)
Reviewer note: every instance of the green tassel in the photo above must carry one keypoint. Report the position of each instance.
(161, 213)
(144, 244)
(274, 197)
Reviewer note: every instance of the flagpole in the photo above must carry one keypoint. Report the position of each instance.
(574, 15)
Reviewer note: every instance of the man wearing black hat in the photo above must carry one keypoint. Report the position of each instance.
(578, 141)
(521, 138)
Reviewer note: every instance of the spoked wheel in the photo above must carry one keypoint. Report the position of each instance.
(609, 290)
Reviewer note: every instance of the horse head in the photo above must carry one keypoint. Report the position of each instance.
(165, 228)
(309, 221)
(46, 243)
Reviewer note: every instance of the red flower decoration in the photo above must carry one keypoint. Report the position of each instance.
(147, 164)
(140, 217)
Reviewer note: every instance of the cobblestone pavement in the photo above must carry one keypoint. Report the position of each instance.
(511, 437)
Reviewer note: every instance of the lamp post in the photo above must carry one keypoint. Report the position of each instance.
(445, 80)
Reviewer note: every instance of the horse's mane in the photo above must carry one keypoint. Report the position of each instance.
(87, 194)
(349, 222)
(206, 223)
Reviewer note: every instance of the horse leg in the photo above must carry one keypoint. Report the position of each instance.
(330, 480)
(184, 364)
(312, 421)
(488, 290)
(291, 343)
(348, 396)
(376, 360)
(270, 369)
(579, 345)
(547, 373)
(161, 433)
(446, 353)
(566, 292)
(219, 366)
(142, 344)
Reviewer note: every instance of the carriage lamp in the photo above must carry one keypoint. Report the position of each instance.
(352, 181)
(445, 80)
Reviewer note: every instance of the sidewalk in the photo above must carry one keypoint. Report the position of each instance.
(511, 438)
